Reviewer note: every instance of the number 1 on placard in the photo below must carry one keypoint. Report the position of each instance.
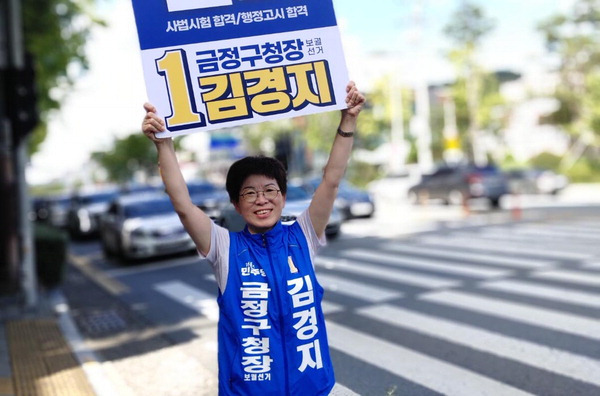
(174, 68)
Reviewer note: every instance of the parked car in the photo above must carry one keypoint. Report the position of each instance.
(351, 201)
(131, 188)
(535, 181)
(297, 200)
(85, 210)
(208, 197)
(457, 184)
(58, 209)
(143, 225)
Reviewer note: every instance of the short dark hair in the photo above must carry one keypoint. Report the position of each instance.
(254, 165)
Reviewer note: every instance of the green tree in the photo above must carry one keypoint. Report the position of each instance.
(574, 39)
(473, 85)
(55, 33)
(128, 155)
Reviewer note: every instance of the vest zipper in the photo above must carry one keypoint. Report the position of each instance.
(281, 321)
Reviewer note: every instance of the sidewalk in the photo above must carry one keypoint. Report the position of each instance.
(35, 357)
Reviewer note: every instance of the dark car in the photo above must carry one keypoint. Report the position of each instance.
(297, 200)
(457, 184)
(351, 201)
(208, 197)
(85, 210)
(52, 209)
(143, 225)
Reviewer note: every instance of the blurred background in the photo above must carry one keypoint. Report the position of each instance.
(501, 87)
(474, 108)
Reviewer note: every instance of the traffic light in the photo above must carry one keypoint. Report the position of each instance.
(21, 98)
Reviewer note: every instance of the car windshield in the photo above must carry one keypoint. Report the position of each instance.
(96, 198)
(149, 208)
(199, 188)
(295, 193)
(486, 169)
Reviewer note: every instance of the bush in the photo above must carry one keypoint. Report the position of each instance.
(51, 254)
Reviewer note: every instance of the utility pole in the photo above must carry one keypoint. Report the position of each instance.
(452, 151)
(421, 125)
(18, 117)
(397, 160)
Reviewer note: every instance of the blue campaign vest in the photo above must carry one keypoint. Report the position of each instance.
(272, 338)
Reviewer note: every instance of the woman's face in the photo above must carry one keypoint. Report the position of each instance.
(262, 214)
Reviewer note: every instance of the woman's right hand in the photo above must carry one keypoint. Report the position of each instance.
(152, 123)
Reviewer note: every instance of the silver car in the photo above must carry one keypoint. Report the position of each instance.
(141, 226)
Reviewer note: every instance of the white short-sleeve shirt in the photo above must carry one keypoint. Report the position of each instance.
(218, 254)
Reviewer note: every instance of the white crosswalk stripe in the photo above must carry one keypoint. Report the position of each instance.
(559, 232)
(546, 292)
(479, 257)
(475, 271)
(191, 297)
(536, 355)
(378, 272)
(580, 278)
(498, 247)
(542, 317)
(432, 373)
(515, 236)
(356, 289)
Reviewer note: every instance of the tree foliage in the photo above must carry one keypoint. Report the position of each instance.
(127, 156)
(574, 39)
(475, 91)
(55, 33)
(469, 25)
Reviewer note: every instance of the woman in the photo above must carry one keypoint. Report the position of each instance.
(272, 337)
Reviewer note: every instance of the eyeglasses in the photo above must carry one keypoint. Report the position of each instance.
(251, 195)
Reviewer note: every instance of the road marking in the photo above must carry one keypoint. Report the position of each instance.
(509, 235)
(480, 257)
(329, 307)
(531, 289)
(155, 266)
(427, 371)
(378, 272)
(109, 284)
(191, 297)
(357, 290)
(341, 390)
(540, 317)
(581, 278)
(536, 355)
(471, 270)
(558, 231)
(467, 241)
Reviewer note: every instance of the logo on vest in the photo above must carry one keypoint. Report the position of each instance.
(249, 269)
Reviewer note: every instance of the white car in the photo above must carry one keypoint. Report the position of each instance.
(141, 226)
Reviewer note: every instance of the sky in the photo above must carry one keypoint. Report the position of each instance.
(106, 102)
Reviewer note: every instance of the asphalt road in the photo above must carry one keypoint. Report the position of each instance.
(454, 301)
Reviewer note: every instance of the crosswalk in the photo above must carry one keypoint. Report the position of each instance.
(503, 310)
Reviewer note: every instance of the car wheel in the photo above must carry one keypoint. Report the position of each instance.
(105, 248)
(495, 202)
(333, 235)
(456, 197)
